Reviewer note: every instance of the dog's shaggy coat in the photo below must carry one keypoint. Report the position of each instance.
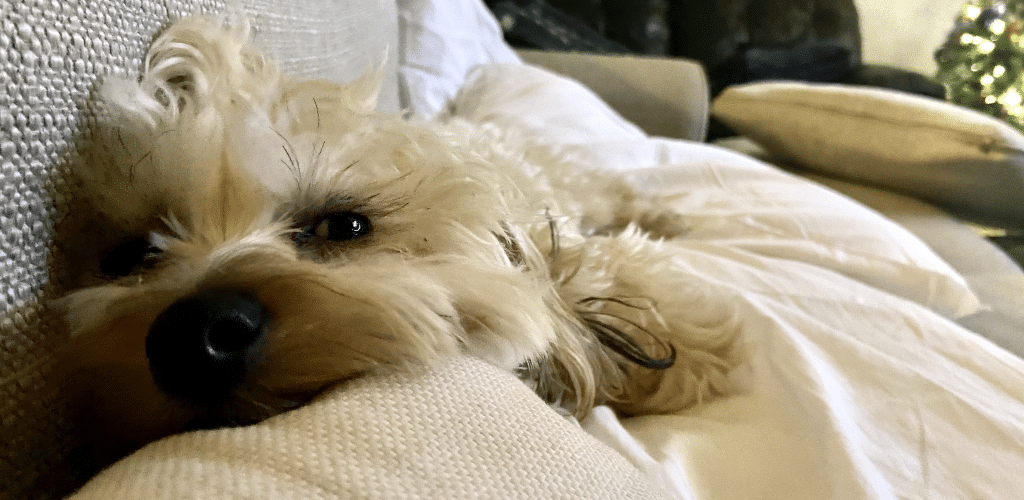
(368, 242)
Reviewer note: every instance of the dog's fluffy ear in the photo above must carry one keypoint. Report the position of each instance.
(208, 66)
(168, 132)
(207, 100)
(197, 63)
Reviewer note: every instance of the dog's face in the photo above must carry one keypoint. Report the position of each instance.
(261, 239)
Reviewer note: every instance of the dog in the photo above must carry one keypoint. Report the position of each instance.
(253, 240)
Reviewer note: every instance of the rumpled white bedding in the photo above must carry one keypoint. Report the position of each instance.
(851, 391)
(858, 383)
(855, 388)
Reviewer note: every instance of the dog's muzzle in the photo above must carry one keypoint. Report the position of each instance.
(204, 345)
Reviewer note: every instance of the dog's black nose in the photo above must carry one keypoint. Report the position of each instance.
(205, 344)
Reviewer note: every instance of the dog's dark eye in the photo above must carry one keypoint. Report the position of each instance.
(128, 258)
(343, 226)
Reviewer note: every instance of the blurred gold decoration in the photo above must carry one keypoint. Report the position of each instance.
(982, 62)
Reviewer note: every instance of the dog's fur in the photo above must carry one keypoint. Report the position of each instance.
(216, 172)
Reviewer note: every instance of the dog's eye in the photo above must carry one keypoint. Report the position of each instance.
(343, 226)
(128, 258)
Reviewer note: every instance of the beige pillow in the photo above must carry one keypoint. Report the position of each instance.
(462, 430)
(966, 161)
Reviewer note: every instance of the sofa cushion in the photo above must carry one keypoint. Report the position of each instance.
(462, 430)
(965, 161)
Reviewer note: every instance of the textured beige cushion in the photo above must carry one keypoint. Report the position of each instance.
(963, 160)
(464, 430)
(51, 55)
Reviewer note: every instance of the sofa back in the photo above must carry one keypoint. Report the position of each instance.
(52, 56)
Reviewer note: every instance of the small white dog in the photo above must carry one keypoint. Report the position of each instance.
(260, 239)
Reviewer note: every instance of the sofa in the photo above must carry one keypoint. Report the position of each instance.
(882, 333)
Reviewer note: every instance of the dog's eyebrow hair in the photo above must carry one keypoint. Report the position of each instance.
(333, 203)
(317, 108)
(286, 147)
(291, 161)
(316, 161)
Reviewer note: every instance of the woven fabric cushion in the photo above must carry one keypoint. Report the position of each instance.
(462, 430)
(51, 56)
(965, 161)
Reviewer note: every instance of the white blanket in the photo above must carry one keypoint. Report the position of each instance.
(851, 391)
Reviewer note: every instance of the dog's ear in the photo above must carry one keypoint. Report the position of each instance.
(165, 132)
(196, 64)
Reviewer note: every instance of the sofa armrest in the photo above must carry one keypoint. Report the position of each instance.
(664, 97)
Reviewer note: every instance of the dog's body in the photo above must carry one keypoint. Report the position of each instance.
(261, 239)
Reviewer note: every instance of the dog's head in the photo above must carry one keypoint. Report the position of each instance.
(259, 239)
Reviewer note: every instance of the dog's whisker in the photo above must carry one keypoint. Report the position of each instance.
(553, 229)
(315, 160)
(393, 208)
(288, 151)
(342, 172)
(248, 398)
(135, 166)
(624, 344)
(648, 306)
(332, 290)
(120, 140)
(291, 161)
(623, 301)
(622, 337)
